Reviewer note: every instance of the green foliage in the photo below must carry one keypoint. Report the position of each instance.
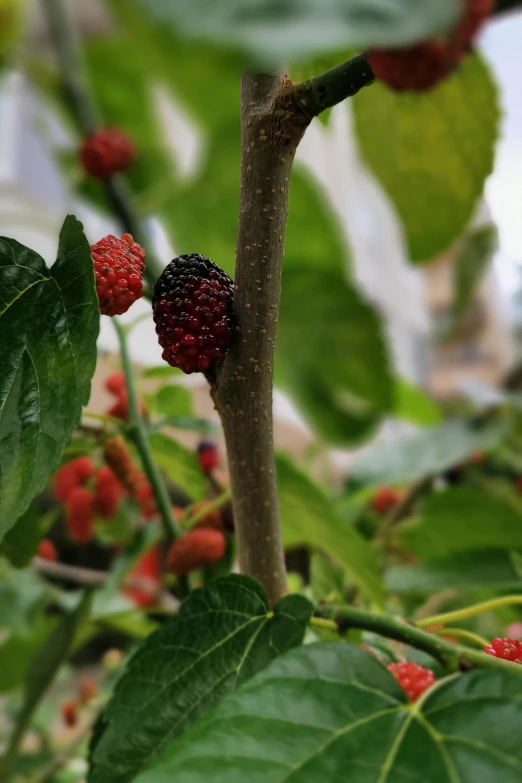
(463, 518)
(432, 152)
(21, 542)
(471, 570)
(17, 652)
(309, 517)
(221, 637)
(21, 598)
(413, 457)
(179, 463)
(49, 323)
(174, 401)
(271, 31)
(332, 712)
(415, 405)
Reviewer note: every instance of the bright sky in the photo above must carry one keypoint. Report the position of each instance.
(501, 44)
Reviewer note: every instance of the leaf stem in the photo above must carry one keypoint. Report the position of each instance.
(138, 435)
(452, 656)
(470, 611)
(77, 91)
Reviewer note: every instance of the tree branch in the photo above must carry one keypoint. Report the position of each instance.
(328, 89)
(242, 389)
(452, 656)
(79, 96)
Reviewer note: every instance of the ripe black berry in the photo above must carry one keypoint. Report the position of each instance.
(192, 308)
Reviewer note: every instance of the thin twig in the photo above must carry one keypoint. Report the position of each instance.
(470, 611)
(138, 434)
(75, 85)
(328, 89)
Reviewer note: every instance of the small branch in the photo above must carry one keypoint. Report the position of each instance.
(328, 89)
(77, 91)
(81, 576)
(138, 434)
(470, 611)
(452, 656)
(460, 633)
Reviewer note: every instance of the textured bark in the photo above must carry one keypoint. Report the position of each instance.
(243, 388)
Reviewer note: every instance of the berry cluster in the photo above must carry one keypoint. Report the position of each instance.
(414, 678)
(118, 267)
(117, 386)
(424, 65)
(145, 579)
(192, 309)
(86, 492)
(386, 498)
(508, 649)
(106, 152)
(139, 488)
(47, 550)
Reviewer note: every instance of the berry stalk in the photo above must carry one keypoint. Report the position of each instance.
(139, 437)
(470, 611)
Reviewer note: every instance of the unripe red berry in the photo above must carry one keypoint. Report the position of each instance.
(107, 152)
(118, 267)
(80, 514)
(119, 458)
(192, 309)
(72, 475)
(70, 713)
(208, 455)
(508, 649)
(88, 690)
(115, 382)
(109, 492)
(47, 550)
(198, 548)
(414, 678)
(421, 67)
(147, 568)
(386, 498)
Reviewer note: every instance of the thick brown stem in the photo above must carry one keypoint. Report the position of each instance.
(242, 391)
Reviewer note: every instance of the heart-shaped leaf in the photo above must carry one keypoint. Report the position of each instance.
(432, 151)
(223, 634)
(332, 712)
(49, 322)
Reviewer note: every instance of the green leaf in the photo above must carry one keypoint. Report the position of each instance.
(174, 401)
(460, 519)
(328, 581)
(164, 371)
(309, 517)
(332, 712)
(427, 453)
(325, 323)
(180, 464)
(432, 151)
(473, 570)
(286, 30)
(20, 544)
(49, 323)
(415, 405)
(471, 263)
(17, 652)
(22, 595)
(222, 635)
